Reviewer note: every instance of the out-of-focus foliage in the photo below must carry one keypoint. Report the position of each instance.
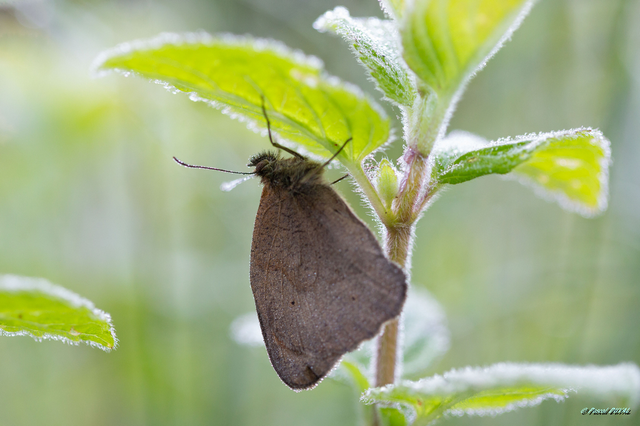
(91, 199)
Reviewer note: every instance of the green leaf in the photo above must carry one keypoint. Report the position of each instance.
(391, 416)
(351, 372)
(393, 8)
(376, 44)
(570, 166)
(446, 41)
(34, 307)
(305, 106)
(355, 373)
(506, 387)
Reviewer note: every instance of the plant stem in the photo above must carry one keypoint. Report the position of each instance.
(398, 244)
(387, 353)
(424, 121)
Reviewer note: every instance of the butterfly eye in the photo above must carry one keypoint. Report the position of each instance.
(262, 166)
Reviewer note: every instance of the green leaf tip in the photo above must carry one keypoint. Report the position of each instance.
(306, 107)
(570, 167)
(35, 307)
(446, 42)
(392, 8)
(376, 45)
(505, 387)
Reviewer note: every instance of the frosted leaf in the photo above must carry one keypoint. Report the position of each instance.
(445, 43)
(506, 387)
(315, 111)
(392, 8)
(34, 307)
(456, 143)
(375, 43)
(568, 166)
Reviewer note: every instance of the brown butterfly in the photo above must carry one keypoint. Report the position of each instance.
(320, 281)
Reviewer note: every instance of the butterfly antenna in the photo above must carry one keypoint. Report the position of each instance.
(275, 144)
(312, 172)
(336, 154)
(191, 166)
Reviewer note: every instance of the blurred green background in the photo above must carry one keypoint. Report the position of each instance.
(90, 199)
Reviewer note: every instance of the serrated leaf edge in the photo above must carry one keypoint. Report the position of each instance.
(16, 283)
(559, 196)
(388, 9)
(539, 190)
(509, 374)
(259, 44)
(323, 24)
(467, 74)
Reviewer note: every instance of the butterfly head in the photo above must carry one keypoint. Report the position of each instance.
(264, 163)
(288, 172)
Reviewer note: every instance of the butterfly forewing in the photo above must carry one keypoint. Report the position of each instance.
(320, 281)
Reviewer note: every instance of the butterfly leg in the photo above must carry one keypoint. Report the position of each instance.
(338, 180)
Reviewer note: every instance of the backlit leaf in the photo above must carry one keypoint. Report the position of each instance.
(375, 43)
(569, 166)
(34, 307)
(305, 105)
(507, 387)
(446, 41)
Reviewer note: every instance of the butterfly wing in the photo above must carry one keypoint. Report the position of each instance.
(320, 280)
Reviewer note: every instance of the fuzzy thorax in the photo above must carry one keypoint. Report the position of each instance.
(290, 173)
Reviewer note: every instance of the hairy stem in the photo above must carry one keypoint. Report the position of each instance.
(398, 245)
(387, 354)
(425, 120)
(423, 125)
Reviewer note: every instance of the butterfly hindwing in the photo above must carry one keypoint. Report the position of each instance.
(320, 281)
